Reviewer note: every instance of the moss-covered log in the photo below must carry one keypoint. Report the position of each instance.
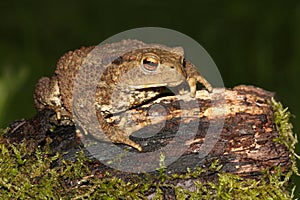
(235, 128)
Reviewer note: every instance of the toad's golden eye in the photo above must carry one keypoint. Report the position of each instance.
(150, 64)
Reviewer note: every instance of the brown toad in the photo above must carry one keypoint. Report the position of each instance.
(105, 80)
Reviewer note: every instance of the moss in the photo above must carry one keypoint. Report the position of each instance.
(27, 175)
(229, 186)
(286, 135)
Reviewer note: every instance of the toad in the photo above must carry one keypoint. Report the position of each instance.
(126, 74)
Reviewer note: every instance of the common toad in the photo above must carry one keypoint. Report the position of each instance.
(129, 80)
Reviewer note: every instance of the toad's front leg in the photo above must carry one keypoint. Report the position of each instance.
(193, 76)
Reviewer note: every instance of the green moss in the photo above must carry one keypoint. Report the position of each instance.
(286, 135)
(229, 186)
(27, 175)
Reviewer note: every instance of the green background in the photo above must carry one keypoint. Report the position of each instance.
(252, 42)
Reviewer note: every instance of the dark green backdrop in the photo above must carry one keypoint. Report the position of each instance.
(252, 42)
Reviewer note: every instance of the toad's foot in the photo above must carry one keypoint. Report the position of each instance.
(193, 84)
(120, 137)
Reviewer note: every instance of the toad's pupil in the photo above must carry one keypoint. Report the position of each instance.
(150, 64)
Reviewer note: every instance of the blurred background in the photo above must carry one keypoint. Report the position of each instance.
(251, 42)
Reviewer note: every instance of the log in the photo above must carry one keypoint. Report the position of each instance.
(232, 126)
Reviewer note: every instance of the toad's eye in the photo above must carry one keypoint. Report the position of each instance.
(150, 64)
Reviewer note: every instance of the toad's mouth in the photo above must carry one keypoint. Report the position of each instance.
(154, 85)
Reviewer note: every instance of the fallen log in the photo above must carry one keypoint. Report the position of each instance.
(235, 127)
